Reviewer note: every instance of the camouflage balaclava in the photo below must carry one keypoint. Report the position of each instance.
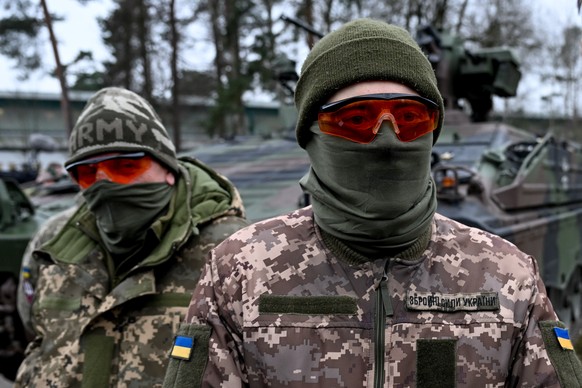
(377, 198)
(118, 120)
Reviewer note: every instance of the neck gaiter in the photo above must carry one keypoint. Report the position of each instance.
(374, 197)
(125, 212)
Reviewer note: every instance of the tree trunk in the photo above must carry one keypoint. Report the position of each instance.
(461, 19)
(65, 105)
(219, 122)
(175, 39)
(310, 22)
(144, 38)
(235, 76)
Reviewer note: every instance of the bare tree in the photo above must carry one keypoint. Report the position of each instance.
(569, 57)
(143, 29)
(127, 32)
(228, 19)
(118, 35)
(65, 105)
(175, 40)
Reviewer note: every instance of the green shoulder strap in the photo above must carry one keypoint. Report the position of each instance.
(561, 353)
(186, 370)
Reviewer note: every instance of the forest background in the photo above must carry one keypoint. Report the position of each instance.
(228, 51)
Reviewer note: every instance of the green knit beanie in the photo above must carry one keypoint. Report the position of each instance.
(118, 120)
(361, 50)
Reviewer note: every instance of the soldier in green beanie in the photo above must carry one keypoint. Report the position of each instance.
(369, 286)
(108, 281)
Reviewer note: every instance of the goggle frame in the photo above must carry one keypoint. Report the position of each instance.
(326, 113)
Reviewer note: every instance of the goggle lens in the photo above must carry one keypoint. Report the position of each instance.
(122, 168)
(358, 119)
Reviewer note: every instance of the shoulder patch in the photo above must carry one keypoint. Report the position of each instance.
(561, 353)
(433, 301)
(191, 346)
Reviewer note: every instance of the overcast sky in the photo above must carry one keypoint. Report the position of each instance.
(79, 31)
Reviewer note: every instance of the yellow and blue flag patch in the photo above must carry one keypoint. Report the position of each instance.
(563, 338)
(182, 348)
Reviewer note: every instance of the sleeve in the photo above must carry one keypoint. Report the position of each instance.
(26, 284)
(28, 277)
(213, 327)
(543, 356)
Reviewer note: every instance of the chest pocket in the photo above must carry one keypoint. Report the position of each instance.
(332, 311)
(138, 342)
(63, 303)
(449, 348)
(311, 340)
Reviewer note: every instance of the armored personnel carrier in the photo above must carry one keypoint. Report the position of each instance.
(17, 224)
(523, 186)
(20, 218)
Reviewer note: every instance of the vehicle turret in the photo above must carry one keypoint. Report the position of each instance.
(509, 181)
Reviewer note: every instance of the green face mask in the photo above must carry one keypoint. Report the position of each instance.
(125, 212)
(374, 197)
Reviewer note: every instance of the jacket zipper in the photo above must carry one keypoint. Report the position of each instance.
(383, 310)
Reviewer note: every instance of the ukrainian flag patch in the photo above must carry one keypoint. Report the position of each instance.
(563, 338)
(182, 348)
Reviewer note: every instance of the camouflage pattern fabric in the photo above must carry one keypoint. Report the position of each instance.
(284, 311)
(89, 333)
(29, 266)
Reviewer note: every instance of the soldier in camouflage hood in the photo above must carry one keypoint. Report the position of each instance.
(370, 287)
(108, 284)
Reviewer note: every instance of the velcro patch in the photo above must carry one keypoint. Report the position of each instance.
(436, 362)
(309, 305)
(559, 348)
(179, 376)
(432, 301)
(182, 348)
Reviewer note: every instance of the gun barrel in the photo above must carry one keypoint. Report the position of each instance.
(302, 25)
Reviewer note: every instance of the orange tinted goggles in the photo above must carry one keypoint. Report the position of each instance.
(122, 168)
(359, 118)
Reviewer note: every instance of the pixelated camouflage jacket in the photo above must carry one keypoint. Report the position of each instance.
(90, 335)
(274, 307)
(29, 266)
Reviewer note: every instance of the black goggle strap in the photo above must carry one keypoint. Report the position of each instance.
(133, 155)
(333, 106)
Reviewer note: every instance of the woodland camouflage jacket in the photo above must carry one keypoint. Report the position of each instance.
(276, 308)
(95, 331)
